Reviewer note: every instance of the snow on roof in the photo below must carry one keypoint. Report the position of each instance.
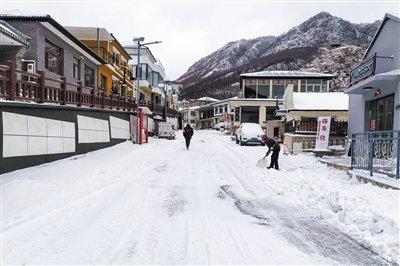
(287, 74)
(13, 33)
(320, 101)
(207, 99)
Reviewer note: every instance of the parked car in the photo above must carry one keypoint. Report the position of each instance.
(250, 133)
(221, 126)
(166, 130)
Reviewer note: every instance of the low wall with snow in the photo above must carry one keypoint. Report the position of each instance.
(32, 134)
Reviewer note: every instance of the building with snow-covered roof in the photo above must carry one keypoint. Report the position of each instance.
(263, 91)
(300, 112)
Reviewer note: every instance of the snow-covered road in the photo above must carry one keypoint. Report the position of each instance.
(161, 204)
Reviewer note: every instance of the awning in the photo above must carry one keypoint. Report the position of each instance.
(381, 80)
(146, 110)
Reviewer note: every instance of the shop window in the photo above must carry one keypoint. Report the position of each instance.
(53, 58)
(382, 114)
(250, 91)
(89, 76)
(76, 69)
(263, 91)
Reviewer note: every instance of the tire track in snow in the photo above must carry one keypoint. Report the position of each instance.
(302, 231)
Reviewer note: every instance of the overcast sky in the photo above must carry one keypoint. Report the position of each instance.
(192, 29)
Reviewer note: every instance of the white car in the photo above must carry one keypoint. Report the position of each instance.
(221, 126)
(249, 133)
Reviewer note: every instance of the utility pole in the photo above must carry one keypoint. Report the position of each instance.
(139, 44)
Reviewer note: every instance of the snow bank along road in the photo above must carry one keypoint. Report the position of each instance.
(161, 204)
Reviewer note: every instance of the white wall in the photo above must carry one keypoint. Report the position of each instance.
(29, 135)
(92, 130)
(119, 128)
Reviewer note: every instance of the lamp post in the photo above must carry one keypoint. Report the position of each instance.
(167, 83)
(139, 43)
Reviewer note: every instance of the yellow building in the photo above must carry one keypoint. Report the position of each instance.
(115, 76)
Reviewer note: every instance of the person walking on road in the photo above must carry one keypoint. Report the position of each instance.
(188, 133)
(275, 148)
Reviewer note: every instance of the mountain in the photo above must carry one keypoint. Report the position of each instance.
(231, 55)
(312, 45)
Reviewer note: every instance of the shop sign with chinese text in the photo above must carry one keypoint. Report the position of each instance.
(323, 130)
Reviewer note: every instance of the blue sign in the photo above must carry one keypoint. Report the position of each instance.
(363, 71)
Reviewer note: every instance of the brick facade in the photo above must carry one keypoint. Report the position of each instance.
(36, 51)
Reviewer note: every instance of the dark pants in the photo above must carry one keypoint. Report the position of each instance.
(187, 143)
(274, 159)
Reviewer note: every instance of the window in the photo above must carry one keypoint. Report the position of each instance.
(278, 91)
(317, 88)
(193, 113)
(250, 114)
(103, 82)
(381, 112)
(250, 91)
(149, 76)
(53, 58)
(89, 76)
(263, 91)
(155, 79)
(143, 71)
(76, 69)
(270, 115)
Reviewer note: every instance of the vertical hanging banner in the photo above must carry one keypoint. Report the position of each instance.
(323, 130)
(133, 125)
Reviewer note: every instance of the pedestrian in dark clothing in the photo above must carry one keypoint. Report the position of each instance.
(275, 148)
(188, 133)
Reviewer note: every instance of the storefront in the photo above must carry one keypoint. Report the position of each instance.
(374, 86)
(380, 113)
(374, 103)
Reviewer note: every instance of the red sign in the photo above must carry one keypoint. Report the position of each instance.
(372, 124)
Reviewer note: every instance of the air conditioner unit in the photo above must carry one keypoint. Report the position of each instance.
(30, 67)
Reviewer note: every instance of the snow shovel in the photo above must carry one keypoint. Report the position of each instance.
(263, 163)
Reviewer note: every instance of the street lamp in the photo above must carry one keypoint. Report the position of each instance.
(139, 43)
(165, 85)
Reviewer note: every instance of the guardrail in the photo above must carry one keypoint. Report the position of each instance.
(376, 152)
(18, 85)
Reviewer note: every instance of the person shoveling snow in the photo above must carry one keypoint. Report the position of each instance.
(273, 147)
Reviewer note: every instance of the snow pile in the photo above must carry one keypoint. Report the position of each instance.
(366, 213)
(320, 101)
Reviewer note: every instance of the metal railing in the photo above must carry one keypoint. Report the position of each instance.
(376, 152)
(18, 85)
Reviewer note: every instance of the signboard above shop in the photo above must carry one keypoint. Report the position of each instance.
(363, 71)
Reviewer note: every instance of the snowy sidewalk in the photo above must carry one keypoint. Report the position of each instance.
(161, 204)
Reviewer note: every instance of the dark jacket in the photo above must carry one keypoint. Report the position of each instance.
(272, 145)
(188, 132)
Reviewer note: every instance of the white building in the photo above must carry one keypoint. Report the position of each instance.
(151, 75)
